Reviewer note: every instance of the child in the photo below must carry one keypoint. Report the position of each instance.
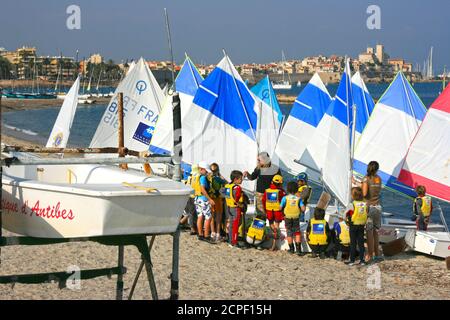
(217, 182)
(318, 233)
(342, 237)
(356, 214)
(271, 201)
(189, 214)
(234, 198)
(292, 207)
(422, 208)
(304, 191)
(203, 202)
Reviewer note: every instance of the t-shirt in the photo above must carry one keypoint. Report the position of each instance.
(205, 183)
(374, 190)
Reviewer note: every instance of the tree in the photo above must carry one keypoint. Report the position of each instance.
(5, 68)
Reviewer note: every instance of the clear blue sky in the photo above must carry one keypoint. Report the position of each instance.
(250, 30)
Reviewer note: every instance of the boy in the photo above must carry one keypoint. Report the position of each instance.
(203, 202)
(271, 201)
(292, 207)
(234, 197)
(304, 191)
(356, 214)
(422, 208)
(318, 233)
(342, 237)
(190, 214)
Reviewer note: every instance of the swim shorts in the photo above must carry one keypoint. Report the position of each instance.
(203, 208)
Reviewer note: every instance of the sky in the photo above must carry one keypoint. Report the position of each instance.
(249, 30)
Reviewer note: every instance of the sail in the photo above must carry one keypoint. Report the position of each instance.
(221, 124)
(142, 102)
(264, 91)
(187, 83)
(301, 128)
(428, 158)
(392, 126)
(363, 102)
(61, 130)
(336, 171)
(131, 66)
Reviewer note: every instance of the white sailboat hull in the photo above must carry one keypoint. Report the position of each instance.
(282, 86)
(429, 242)
(70, 201)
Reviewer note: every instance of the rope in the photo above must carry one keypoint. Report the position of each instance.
(146, 189)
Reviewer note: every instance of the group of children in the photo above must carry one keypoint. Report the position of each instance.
(216, 198)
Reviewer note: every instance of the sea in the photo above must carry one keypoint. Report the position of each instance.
(35, 125)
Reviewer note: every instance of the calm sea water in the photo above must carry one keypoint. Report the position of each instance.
(36, 125)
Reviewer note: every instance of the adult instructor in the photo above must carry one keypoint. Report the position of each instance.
(264, 172)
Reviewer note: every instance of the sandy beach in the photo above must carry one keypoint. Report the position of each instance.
(219, 272)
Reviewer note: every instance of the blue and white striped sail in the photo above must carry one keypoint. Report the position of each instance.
(300, 130)
(187, 83)
(363, 102)
(393, 124)
(336, 171)
(222, 123)
(264, 91)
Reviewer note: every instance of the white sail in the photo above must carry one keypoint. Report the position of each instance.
(337, 165)
(61, 129)
(142, 103)
(162, 140)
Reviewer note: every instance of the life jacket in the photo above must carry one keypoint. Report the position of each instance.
(359, 217)
(426, 205)
(272, 200)
(189, 183)
(301, 189)
(344, 236)
(318, 234)
(195, 184)
(291, 210)
(231, 202)
(255, 233)
(214, 187)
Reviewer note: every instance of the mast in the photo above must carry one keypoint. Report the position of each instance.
(99, 76)
(169, 40)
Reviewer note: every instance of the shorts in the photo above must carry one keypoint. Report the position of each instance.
(274, 216)
(374, 218)
(190, 211)
(292, 226)
(218, 205)
(203, 208)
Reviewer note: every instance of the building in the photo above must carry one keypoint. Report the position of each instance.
(400, 65)
(96, 58)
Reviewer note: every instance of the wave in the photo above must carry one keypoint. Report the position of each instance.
(25, 131)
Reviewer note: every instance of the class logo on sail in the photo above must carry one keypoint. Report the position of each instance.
(143, 133)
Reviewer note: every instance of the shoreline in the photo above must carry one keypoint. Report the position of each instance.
(8, 105)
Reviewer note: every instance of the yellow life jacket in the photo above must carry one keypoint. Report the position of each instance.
(292, 211)
(255, 234)
(318, 234)
(344, 236)
(359, 217)
(195, 184)
(426, 205)
(272, 201)
(231, 202)
(189, 183)
(301, 189)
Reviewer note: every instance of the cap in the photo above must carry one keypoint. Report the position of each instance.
(277, 179)
(204, 165)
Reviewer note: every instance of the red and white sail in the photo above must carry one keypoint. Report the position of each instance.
(428, 160)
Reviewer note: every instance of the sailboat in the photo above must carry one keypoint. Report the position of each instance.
(283, 84)
(363, 102)
(264, 91)
(300, 128)
(390, 130)
(66, 201)
(61, 129)
(427, 163)
(222, 123)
